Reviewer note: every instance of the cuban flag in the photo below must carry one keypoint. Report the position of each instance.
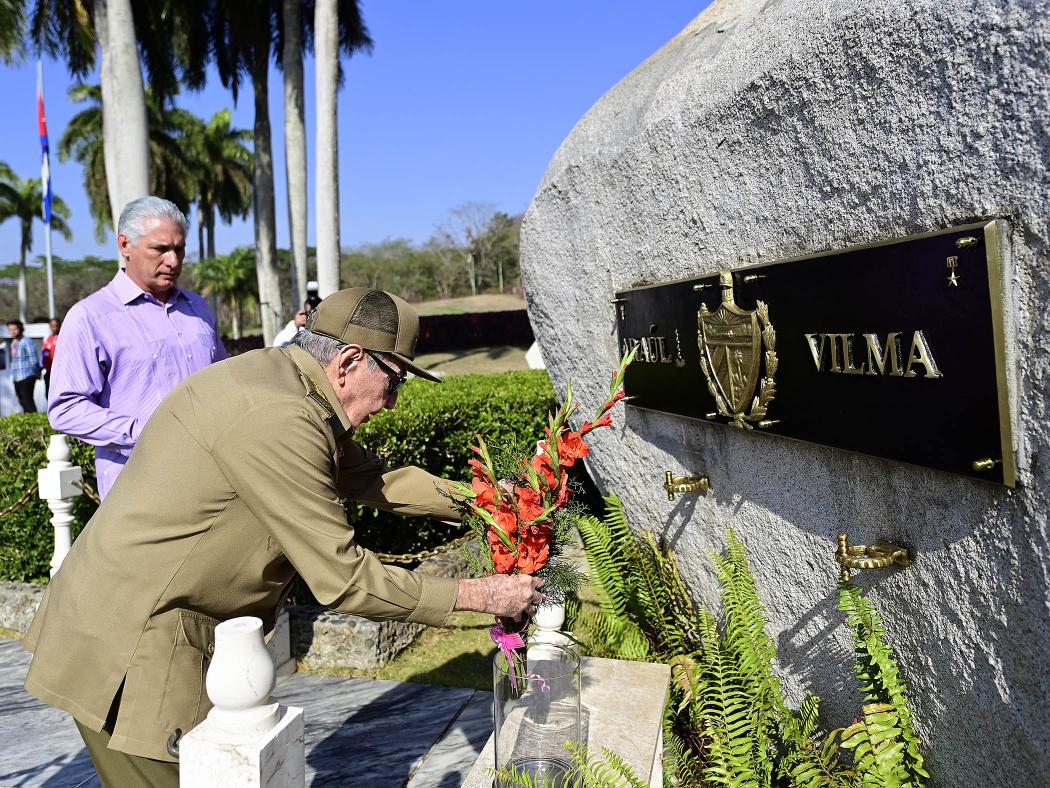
(45, 164)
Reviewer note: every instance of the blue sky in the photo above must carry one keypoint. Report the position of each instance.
(458, 102)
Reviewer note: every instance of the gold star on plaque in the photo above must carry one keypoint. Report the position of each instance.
(953, 280)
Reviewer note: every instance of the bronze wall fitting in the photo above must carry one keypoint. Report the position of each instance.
(684, 484)
(880, 555)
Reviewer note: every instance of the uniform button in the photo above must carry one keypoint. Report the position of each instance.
(211, 649)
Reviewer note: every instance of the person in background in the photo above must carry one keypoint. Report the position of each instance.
(47, 352)
(127, 345)
(24, 367)
(295, 325)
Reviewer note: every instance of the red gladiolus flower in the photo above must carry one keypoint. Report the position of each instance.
(479, 468)
(563, 489)
(503, 560)
(544, 471)
(530, 503)
(571, 447)
(507, 521)
(534, 549)
(486, 495)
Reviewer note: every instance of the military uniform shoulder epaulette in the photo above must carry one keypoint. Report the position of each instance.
(315, 394)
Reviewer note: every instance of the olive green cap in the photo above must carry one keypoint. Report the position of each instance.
(374, 319)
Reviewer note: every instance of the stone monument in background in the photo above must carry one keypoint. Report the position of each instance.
(774, 129)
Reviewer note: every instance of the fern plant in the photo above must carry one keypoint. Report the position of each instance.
(608, 770)
(885, 747)
(645, 611)
(727, 722)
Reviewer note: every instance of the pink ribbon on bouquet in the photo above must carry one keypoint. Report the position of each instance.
(508, 643)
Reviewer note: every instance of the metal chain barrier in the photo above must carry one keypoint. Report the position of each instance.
(390, 558)
(20, 502)
(414, 558)
(89, 491)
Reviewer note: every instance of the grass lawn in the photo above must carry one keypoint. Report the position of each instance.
(492, 302)
(503, 358)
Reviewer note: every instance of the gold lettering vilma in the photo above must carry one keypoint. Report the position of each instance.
(838, 353)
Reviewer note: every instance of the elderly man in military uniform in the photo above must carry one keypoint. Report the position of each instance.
(233, 488)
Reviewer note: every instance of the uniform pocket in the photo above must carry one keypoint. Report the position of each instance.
(184, 702)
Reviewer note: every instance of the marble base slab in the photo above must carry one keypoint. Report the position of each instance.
(358, 732)
(623, 706)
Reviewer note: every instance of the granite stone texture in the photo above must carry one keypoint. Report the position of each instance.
(319, 638)
(18, 603)
(323, 639)
(776, 128)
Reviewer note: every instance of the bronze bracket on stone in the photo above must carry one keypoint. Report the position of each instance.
(880, 555)
(684, 484)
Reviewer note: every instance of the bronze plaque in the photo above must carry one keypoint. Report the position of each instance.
(893, 349)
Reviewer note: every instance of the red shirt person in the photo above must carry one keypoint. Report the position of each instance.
(47, 352)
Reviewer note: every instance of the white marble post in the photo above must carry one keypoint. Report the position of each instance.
(549, 618)
(246, 742)
(57, 483)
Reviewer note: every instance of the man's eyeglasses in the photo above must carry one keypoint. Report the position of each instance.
(395, 380)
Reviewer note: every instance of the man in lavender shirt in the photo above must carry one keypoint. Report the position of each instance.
(125, 346)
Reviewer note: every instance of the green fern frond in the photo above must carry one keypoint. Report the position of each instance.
(886, 742)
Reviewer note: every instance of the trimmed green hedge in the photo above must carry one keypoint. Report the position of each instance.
(433, 426)
(27, 539)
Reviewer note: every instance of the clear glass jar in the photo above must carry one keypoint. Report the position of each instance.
(536, 711)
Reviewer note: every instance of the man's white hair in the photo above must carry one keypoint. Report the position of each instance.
(136, 212)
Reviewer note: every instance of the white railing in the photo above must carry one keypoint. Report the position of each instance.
(58, 484)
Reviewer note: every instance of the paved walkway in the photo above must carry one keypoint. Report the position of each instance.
(358, 732)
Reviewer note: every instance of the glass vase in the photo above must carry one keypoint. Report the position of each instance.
(536, 711)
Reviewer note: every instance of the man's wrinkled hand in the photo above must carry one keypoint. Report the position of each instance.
(506, 596)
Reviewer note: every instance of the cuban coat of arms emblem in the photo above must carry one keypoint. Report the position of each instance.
(734, 343)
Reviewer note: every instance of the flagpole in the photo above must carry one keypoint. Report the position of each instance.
(50, 274)
(45, 185)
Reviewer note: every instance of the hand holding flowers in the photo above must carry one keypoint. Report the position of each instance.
(520, 507)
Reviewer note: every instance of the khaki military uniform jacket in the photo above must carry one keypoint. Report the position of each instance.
(233, 487)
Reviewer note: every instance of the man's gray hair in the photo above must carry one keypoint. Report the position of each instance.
(322, 348)
(136, 212)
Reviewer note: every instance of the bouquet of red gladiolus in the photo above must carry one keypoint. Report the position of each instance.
(520, 508)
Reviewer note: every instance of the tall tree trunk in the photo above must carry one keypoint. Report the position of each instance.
(235, 329)
(326, 54)
(209, 219)
(295, 145)
(125, 132)
(23, 289)
(200, 231)
(262, 201)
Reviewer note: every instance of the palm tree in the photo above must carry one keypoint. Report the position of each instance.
(222, 166)
(21, 200)
(241, 35)
(230, 277)
(114, 34)
(338, 28)
(70, 31)
(295, 141)
(173, 175)
(12, 23)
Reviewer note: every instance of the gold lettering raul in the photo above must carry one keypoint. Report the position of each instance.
(651, 350)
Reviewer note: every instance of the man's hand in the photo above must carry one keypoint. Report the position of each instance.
(507, 596)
